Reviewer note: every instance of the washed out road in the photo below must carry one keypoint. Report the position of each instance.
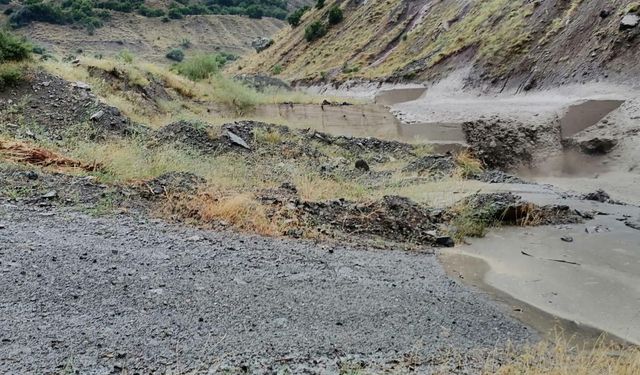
(104, 295)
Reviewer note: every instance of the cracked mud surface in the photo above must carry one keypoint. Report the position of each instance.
(105, 295)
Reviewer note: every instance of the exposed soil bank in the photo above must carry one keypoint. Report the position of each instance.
(124, 294)
(587, 273)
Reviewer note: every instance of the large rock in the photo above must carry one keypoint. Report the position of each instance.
(629, 21)
(598, 145)
(260, 44)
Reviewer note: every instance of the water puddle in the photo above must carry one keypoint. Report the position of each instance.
(584, 115)
(472, 272)
(396, 96)
(591, 281)
(363, 120)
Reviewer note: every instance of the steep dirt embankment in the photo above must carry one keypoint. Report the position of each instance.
(519, 44)
(150, 38)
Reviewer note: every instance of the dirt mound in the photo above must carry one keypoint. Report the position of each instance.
(507, 144)
(433, 165)
(393, 218)
(147, 94)
(47, 107)
(509, 209)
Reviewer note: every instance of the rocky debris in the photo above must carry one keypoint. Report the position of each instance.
(194, 135)
(497, 177)
(262, 83)
(509, 209)
(629, 21)
(632, 223)
(598, 196)
(359, 145)
(597, 145)
(171, 183)
(149, 93)
(439, 166)
(261, 44)
(433, 165)
(393, 218)
(48, 189)
(506, 144)
(64, 108)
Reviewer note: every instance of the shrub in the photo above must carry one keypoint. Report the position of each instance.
(295, 17)
(12, 48)
(175, 54)
(254, 11)
(277, 69)
(314, 31)
(319, 4)
(126, 56)
(10, 74)
(174, 13)
(201, 67)
(150, 12)
(335, 15)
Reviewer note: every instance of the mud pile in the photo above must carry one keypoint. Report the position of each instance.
(508, 144)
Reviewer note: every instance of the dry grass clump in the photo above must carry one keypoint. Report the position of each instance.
(241, 211)
(562, 358)
(18, 152)
(467, 165)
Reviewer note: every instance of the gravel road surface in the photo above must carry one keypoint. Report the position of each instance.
(124, 294)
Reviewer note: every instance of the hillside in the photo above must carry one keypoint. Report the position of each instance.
(150, 38)
(512, 43)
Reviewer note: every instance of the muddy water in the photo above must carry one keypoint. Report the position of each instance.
(581, 116)
(397, 96)
(593, 281)
(363, 120)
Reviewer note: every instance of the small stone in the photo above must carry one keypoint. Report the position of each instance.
(50, 195)
(96, 116)
(445, 241)
(237, 140)
(2, 226)
(567, 238)
(31, 175)
(195, 238)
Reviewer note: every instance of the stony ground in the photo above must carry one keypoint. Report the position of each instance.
(114, 294)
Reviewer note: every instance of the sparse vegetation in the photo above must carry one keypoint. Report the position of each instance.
(201, 66)
(315, 30)
(13, 48)
(294, 18)
(335, 15)
(175, 54)
(13, 53)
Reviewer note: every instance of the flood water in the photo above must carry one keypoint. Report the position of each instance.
(363, 120)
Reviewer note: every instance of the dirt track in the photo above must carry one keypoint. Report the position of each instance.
(103, 295)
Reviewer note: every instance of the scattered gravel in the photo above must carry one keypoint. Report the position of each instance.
(104, 295)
